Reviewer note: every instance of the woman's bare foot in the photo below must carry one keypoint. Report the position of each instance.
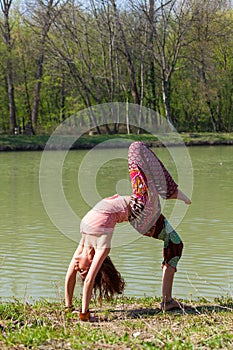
(170, 305)
(178, 194)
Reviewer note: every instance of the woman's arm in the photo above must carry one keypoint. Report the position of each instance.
(70, 279)
(98, 259)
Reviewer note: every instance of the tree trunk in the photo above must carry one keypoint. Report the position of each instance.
(36, 101)
(141, 100)
(6, 33)
(11, 97)
(151, 59)
(166, 100)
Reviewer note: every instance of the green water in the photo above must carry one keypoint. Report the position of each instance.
(37, 241)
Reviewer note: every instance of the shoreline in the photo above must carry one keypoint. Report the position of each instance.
(12, 143)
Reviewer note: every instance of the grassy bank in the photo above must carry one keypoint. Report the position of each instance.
(38, 142)
(125, 323)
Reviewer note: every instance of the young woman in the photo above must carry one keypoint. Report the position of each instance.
(91, 260)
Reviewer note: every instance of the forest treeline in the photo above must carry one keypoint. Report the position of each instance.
(62, 56)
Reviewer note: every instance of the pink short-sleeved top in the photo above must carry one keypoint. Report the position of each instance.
(103, 217)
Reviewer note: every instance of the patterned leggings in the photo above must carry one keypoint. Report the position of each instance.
(150, 179)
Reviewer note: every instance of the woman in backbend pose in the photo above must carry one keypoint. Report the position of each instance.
(91, 260)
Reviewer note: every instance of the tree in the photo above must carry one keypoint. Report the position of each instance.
(211, 35)
(5, 29)
(169, 26)
(43, 16)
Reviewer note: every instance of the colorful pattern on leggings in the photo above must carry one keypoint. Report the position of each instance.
(149, 179)
(173, 246)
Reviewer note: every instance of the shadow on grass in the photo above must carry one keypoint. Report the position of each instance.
(184, 310)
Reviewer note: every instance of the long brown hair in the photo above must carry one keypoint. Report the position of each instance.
(108, 281)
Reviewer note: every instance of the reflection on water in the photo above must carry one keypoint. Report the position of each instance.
(34, 255)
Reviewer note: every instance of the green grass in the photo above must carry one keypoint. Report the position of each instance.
(22, 142)
(207, 137)
(38, 142)
(125, 323)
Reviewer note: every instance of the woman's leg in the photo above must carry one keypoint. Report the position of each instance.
(167, 283)
(149, 179)
(70, 282)
(168, 303)
(172, 252)
(140, 157)
(173, 245)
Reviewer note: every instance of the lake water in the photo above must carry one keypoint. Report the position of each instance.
(39, 237)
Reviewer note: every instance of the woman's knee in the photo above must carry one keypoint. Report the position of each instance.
(172, 253)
